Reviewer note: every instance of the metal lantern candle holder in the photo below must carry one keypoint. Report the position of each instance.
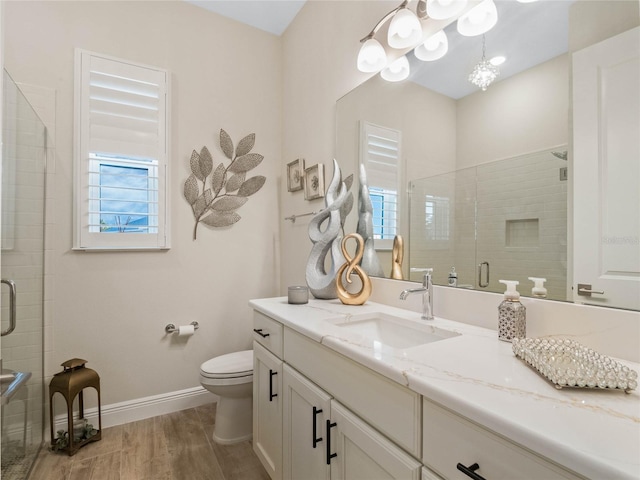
(70, 383)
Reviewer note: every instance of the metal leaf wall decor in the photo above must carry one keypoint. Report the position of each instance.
(216, 194)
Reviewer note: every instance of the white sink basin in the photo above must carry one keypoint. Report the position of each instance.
(395, 332)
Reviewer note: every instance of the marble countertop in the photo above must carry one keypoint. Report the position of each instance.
(592, 432)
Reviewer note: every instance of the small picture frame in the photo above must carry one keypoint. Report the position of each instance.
(295, 175)
(314, 182)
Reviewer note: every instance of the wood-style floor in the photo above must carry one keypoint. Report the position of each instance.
(176, 446)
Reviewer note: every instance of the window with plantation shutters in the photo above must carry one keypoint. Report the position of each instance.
(121, 145)
(380, 154)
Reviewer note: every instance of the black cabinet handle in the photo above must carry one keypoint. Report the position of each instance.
(329, 454)
(470, 471)
(259, 332)
(316, 440)
(271, 394)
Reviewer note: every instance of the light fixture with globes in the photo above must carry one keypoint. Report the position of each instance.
(405, 32)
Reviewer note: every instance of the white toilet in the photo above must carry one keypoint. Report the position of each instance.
(230, 377)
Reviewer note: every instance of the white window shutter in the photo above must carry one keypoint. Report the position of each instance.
(121, 146)
(380, 152)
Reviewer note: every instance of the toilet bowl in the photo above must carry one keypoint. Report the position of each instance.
(230, 377)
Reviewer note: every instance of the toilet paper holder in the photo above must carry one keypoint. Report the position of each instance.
(171, 328)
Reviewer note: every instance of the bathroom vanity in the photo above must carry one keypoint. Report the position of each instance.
(372, 391)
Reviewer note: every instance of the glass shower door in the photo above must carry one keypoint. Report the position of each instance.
(22, 273)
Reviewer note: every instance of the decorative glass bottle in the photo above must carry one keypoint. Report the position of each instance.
(512, 315)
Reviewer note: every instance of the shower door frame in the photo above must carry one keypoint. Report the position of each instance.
(33, 283)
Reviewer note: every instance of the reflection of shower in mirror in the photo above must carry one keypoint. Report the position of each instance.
(511, 213)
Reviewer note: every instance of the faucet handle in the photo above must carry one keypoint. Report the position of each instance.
(426, 270)
(426, 280)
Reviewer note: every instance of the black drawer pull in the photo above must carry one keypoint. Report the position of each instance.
(259, 332)
(329, 454)
(316, 440)
(470, 471)
(271, 394)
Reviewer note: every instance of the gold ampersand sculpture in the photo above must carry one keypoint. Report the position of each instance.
(348, 268)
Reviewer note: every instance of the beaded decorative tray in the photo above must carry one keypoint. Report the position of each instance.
(567, 363)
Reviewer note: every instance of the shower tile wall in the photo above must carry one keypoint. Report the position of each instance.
(22, 260)
(522, 227)
(465, 227)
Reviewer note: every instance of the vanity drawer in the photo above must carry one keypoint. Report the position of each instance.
(392, 408)
(268, 333)
(449, 439)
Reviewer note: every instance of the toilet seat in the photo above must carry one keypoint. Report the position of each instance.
(236, 365)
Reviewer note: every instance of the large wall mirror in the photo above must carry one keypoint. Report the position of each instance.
(487, 177)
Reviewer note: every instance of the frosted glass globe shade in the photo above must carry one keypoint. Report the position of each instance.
(433, 48)
(371, 57)
(399, 70)
(480, 19)
(404, 30)
(443, 9)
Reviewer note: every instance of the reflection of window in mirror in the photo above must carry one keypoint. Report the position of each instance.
(436, 211)
(380, 155)
(385, 206)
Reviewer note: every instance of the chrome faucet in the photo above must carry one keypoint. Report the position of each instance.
(426, 290)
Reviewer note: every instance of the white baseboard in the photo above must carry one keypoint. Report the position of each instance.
(17, 433)
(141, 408)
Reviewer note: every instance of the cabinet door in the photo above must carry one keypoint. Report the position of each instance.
(267, 410)
(306, 409)
(358, 452)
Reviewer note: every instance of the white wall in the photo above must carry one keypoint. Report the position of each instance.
(522, 114)
(111, 308)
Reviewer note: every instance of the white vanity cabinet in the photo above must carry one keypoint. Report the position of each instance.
(301, 428)
(324, 440)
(463, 408)
(319, 415)
(452, 444)
(391, 408)
(267, 394)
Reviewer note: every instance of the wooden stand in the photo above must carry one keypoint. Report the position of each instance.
(69, 383)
